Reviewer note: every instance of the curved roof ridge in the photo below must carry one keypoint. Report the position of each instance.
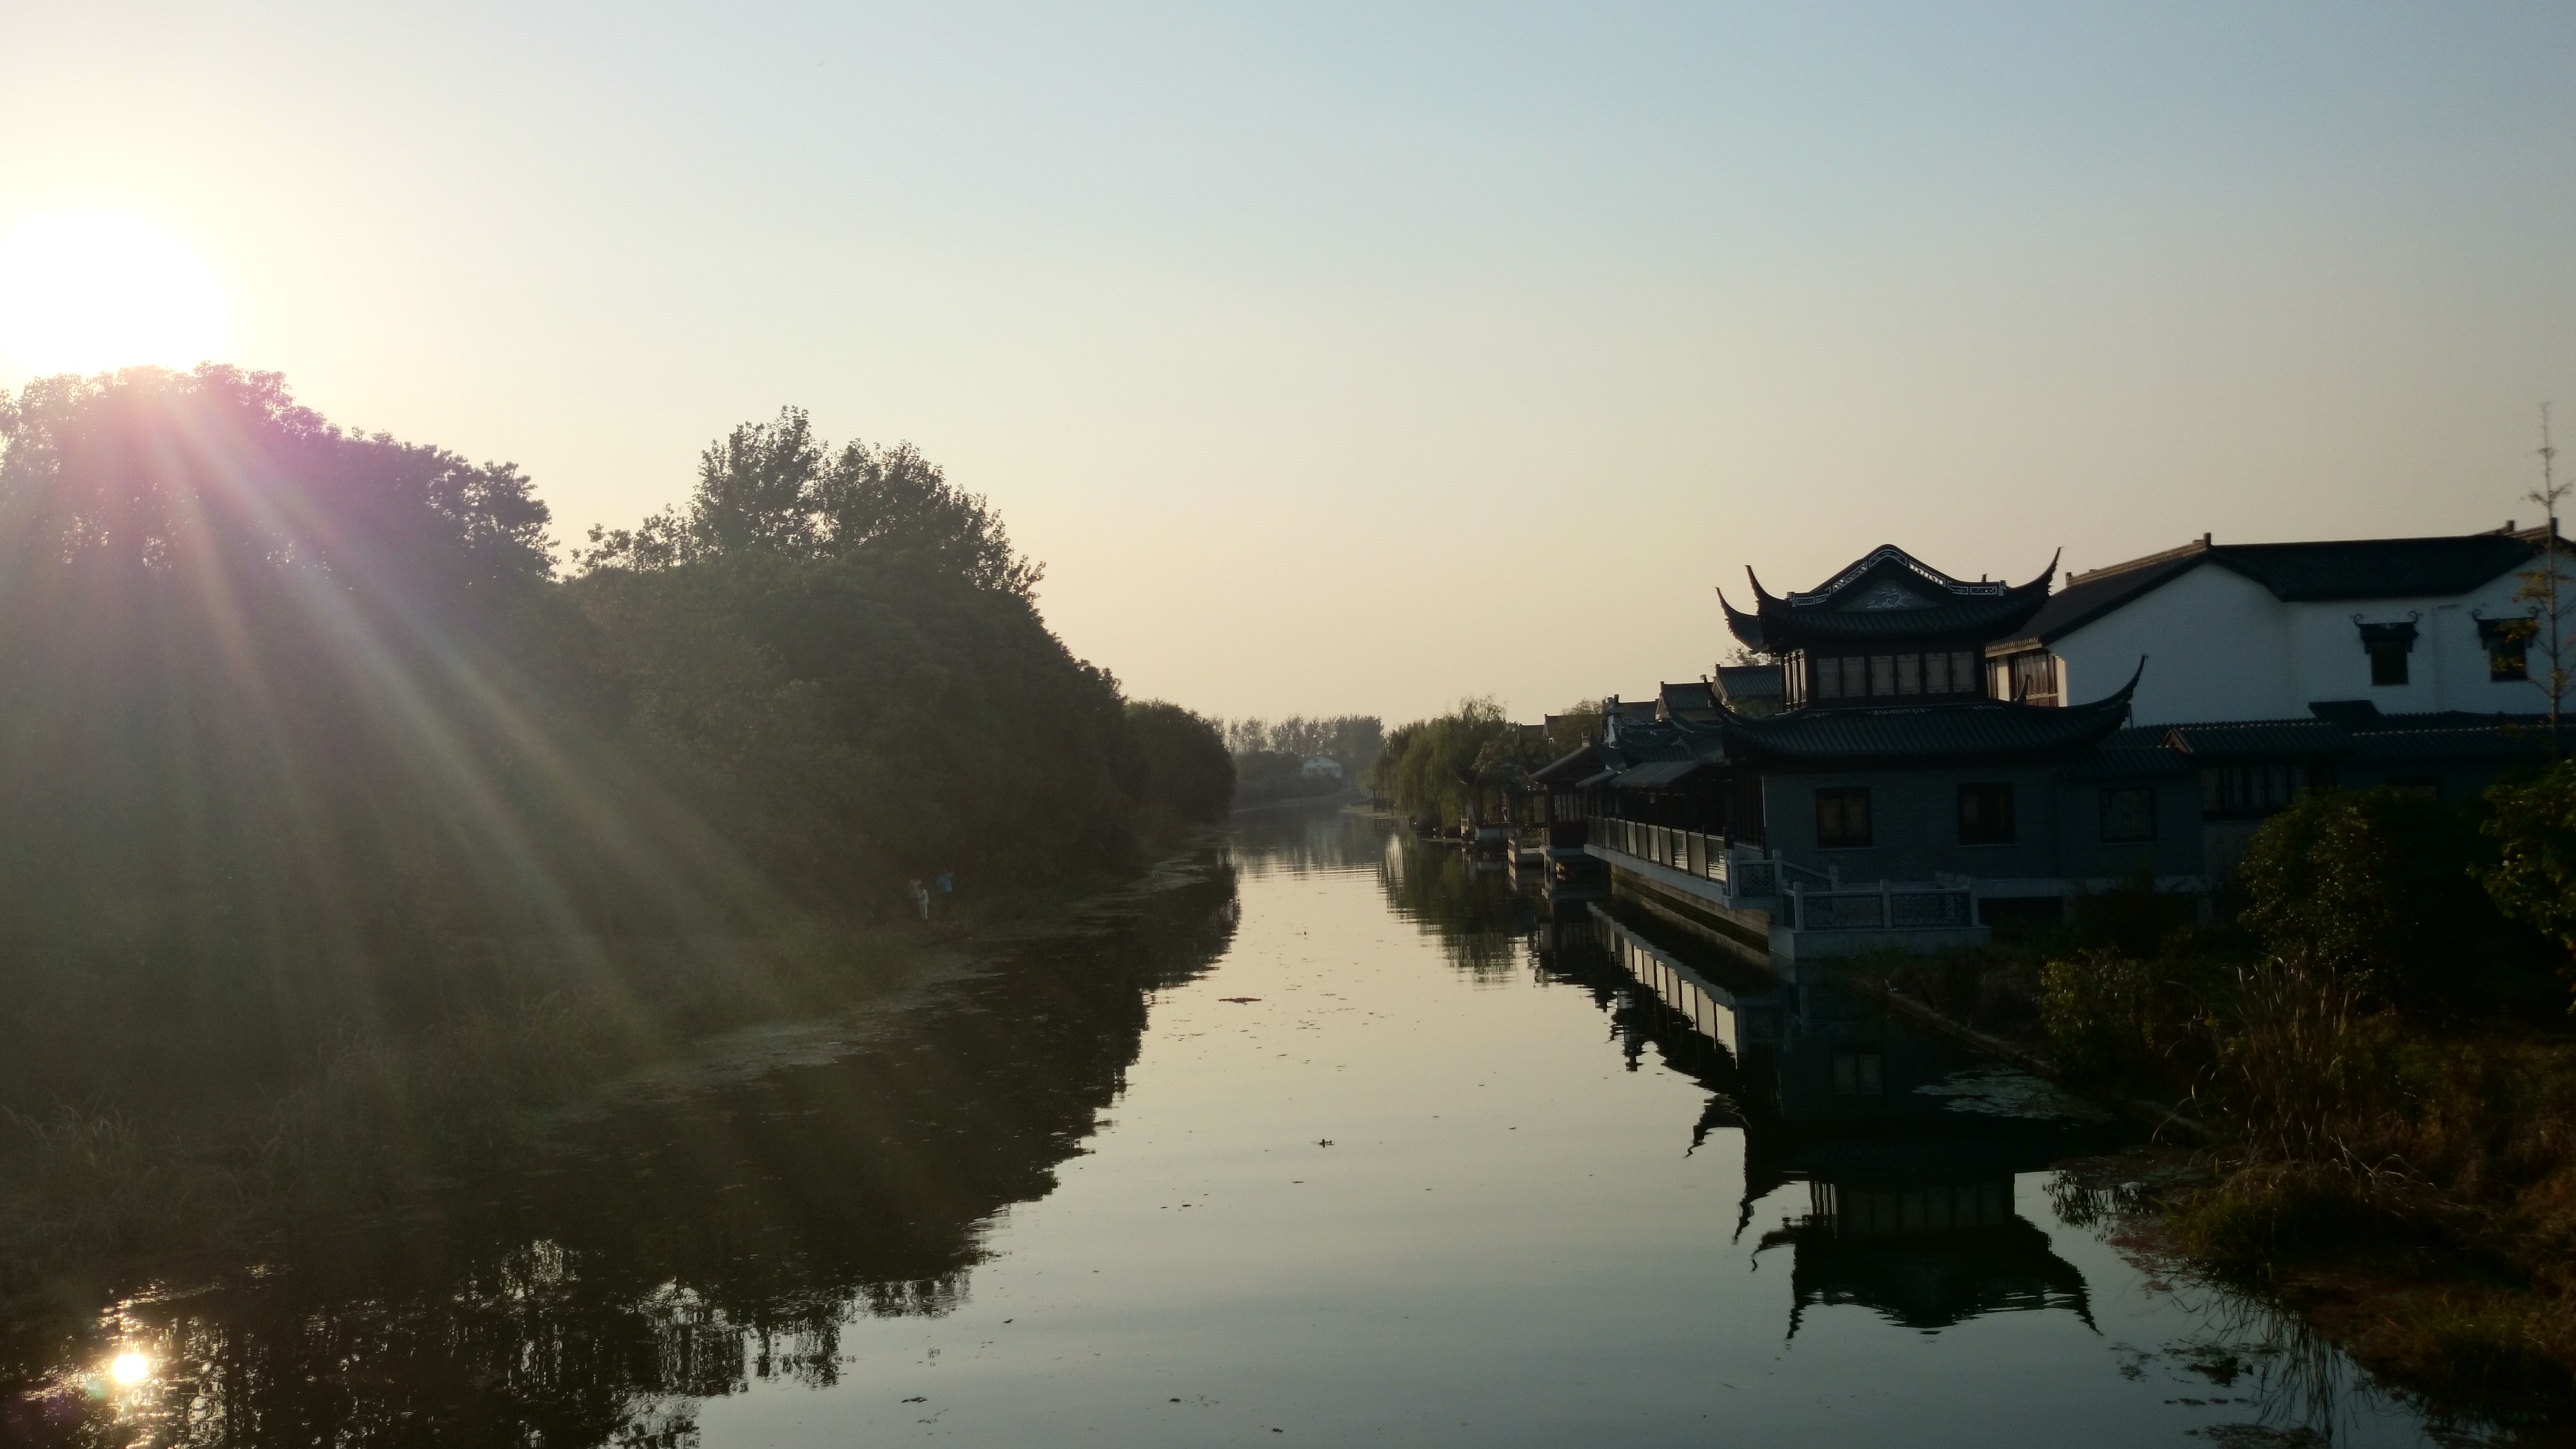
(1890, 553)
(1747, 628)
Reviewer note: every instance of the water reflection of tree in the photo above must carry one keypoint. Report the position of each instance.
(1472, 906)
(1304, 841)
(691, 1247)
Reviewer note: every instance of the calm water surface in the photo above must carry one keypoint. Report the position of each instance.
(1327, 1140)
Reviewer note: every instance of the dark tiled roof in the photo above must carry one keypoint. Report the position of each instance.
(2369, 568)
(2261, 739)
(1633, 742)
(2354, 729)
(1750, 681)
(1925, 733)
(1697, 697)
(2485, 742)
(1573, 766)
(1885, 596)
(2377, 568)
(1662, 775)
(2088, 597)
(2449, 719)
(2129, 754)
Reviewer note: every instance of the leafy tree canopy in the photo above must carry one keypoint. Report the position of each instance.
(776, 488)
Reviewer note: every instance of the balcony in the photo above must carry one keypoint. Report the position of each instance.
(1804, 912)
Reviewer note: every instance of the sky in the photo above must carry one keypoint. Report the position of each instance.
(1357, 358)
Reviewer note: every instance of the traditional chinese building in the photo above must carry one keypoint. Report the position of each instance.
(1915, 769)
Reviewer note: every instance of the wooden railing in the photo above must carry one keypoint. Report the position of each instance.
(1745, 871)
(1887, 907)
(1806, 899)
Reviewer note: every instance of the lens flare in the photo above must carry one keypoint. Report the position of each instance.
(88, 290)
(129, 1369)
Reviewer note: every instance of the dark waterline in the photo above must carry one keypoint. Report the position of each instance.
(1328, 1136)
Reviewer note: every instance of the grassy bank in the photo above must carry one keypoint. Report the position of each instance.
(2378, 1067)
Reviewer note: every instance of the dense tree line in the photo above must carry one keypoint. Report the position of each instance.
(308, 716)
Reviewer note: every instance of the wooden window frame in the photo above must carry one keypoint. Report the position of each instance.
(1834, 818)
(2122, 835)
(1977, 800)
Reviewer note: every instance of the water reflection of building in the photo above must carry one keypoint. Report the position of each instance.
(1908, 1161)
(1925, 1254)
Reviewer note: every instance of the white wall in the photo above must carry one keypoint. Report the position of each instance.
(2219, 646)
(2216, 643)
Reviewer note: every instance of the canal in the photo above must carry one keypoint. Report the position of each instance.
(1325, 1138)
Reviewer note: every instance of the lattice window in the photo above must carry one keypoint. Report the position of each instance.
(1986, 814)
(2128, 814)
(1842, 818)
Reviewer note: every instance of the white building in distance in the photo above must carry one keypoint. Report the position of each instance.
(2261, 631)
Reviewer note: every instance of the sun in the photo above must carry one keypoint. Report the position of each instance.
(90, 289)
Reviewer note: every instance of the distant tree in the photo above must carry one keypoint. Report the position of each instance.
(1433, 767)
(1188, 770)
(776, 488)
(1350, 740)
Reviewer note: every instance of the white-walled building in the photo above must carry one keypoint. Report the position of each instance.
(2261, 631)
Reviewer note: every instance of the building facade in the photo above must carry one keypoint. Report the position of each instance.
(1931, 760)
(2259, 631)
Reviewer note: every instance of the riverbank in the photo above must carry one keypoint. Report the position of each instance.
(113, 1187)
(2438, 1261)
(1283, 1146)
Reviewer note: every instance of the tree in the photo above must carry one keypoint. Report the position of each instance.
(2380, 889)
(1576, 725)
(776, 488)
(1187, 768)
(1352, 741)
(2546, 587)
(1433, 767)
(2533, 880)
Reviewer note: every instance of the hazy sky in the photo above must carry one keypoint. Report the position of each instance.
(1357, 358)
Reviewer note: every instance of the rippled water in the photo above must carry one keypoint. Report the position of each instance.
(1327, 1139)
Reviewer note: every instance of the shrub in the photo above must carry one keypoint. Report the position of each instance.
(2381, 887)
(2107, 1013)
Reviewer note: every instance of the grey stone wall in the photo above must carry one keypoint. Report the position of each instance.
(1915, 825)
